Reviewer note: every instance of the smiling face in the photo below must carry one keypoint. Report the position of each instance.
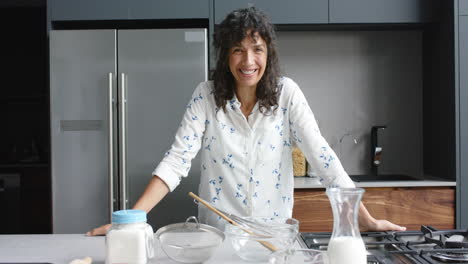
(247, 61)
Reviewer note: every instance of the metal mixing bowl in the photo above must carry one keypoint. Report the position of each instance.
(189, 242)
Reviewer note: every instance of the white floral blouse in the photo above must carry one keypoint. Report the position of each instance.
(246, 164)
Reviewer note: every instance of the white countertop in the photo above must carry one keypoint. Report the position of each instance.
(61, 249)
(314, 182)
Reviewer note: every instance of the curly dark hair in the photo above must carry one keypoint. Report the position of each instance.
(232, 30)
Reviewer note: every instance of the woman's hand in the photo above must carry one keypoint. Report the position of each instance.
(369, 223)
(99, 231)
(381, 225)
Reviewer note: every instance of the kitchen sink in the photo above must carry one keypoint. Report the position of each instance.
(383, 177)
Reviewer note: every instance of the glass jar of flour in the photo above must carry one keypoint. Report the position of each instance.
(130, 240)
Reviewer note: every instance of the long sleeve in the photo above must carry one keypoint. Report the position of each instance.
(306, 134)
(187, 142)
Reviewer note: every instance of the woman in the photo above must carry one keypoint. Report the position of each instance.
(244, 123)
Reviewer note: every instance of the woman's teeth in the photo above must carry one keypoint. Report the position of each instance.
(247, 72)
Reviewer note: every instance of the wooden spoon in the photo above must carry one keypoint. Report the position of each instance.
(232, 222)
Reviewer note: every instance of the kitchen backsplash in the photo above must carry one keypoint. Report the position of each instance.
(354, 80)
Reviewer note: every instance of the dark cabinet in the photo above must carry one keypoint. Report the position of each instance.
(463, 119)
(382, 11)
(66, 10)
(280, 12)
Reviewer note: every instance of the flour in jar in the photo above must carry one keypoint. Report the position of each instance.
(346, 250)
(126, 246)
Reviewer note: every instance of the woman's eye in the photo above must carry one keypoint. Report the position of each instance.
(236, 50)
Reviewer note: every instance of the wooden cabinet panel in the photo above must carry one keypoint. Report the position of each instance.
(410, 207)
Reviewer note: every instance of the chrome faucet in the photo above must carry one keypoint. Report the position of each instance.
(376, 149)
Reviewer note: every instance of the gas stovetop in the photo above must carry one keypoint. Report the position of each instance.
(426, 246)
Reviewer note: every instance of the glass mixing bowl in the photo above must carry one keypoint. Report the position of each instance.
(282, 233)
(299, 256)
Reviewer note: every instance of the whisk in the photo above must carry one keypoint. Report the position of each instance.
(265, 230)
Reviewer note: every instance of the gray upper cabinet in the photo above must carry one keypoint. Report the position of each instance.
(463, 7)
(382, 11)
(280, 12)
(123, 9)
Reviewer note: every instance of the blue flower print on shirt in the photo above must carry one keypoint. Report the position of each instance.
(227, 161)
(213, 200)
(218, 190)
(199, 97)
(239, 186)
(220, 179)
(167, 153)
(272, 147)
(284, 199)
(184, 161)
(255, 195)
(296, 138)
(238, 195)
(222, 125)
(284, 109)
(327, 159)
(194, 118)
(275, 214)
(257, 183)
(251, 179)
(268, 202)
(244, 201)
(189, 106)
(277, 186)
(287, 143)
(213, 182)
(187, 137)
(232, 130)
(207, 122)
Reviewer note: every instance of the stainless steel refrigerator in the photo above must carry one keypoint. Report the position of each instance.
(116, 100)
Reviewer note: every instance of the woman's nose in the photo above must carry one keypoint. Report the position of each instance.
(248, 58)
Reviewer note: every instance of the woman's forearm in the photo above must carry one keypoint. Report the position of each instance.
(154, 192)
(366, 221)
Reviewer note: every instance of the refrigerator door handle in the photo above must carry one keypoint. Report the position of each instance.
(110, 102)
(123, 145)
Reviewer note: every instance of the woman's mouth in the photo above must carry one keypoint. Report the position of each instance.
(248, 72)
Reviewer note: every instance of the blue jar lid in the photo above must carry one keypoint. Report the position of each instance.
(128, 216)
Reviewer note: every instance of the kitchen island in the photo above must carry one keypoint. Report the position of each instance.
(61, 249)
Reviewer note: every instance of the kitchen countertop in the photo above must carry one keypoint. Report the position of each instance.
(61, 249)
(313, 182)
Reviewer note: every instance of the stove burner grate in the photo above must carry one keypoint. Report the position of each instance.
(451, 257)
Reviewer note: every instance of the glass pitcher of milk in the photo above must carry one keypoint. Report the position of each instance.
(346, 245)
